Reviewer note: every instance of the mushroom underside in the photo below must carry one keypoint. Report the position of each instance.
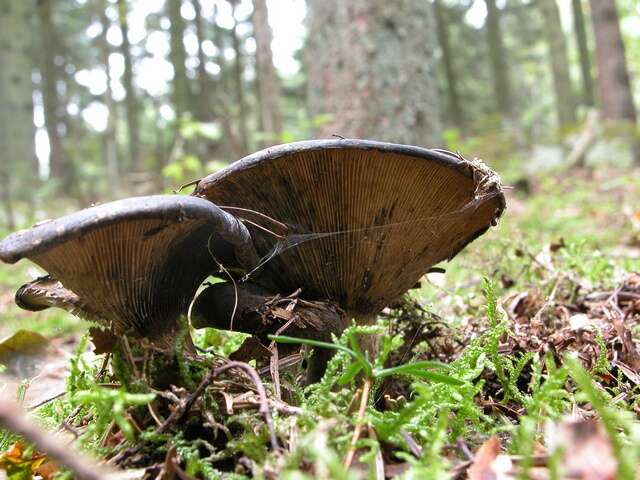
(365, 220)
(135, 264)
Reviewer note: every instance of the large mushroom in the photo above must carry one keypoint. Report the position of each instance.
(365, 220)
(133, 264)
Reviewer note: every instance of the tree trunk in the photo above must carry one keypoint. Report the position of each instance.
(614, 85)
(17, 157)
(583, 52)
(559, 59)
(110, 144)
(204, 106)
(371, 67)
(178, 58)
(455, 105)
(268, 85)
(131, 101)
(58, 163)
(498, 58)
(238, 74)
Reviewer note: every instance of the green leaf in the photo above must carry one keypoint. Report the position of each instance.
(312, 343)
(350, 373)
(419, 369)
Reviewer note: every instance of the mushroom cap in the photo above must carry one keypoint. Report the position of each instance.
(366, 219)
(135, 263)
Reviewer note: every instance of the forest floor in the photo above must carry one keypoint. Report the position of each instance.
(537, 322)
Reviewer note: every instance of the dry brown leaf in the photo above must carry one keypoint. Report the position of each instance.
(481, 469)
(587, 450)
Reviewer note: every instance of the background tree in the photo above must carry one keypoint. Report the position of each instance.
(268, 83)
(131, 99)
(559, 60)
(17, 155)
(447, 58)
(110, 141)
(239, 82)
(614, 84)
(583, 52)
(178, 56)
(371, 66)
(498, 59)
(60, 165)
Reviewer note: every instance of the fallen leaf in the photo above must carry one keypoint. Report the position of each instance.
(20, 463)
(482, 467)
(587, 450)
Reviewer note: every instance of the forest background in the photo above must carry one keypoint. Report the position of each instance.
(102, 99)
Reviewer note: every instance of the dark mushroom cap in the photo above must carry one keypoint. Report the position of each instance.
(135, 263)
(367, 219)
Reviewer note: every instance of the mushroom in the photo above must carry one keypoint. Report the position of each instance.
(365, 220)
(133, 264)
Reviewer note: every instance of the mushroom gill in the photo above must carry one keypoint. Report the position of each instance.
(367, 219)
(134, 264)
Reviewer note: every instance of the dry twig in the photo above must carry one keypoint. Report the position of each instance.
(12, 418)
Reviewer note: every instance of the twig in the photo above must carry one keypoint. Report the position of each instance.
(12, 418)
(364, 398)
(233, 280)
(129, 355)
(179, 413)
(416, 449)
(260, 214)
(274, 360)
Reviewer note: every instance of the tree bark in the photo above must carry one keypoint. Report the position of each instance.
(559, 60)
(178, 57)
(131, 100)
(110, 143)
(17, 157)
(58, 162)
(238, 74)
(268, 84)
(614, 84)
(583, 52)
(498, 58)
(371, 67)
(455, 106)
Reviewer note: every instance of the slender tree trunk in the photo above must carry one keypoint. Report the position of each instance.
(455, 105)
(110, 144)
(371, 67)
(583, 52)
(205, 86)
(17, 156)
(498, 58)
(559, 59)
(268, 84)
(613, 75)
(58, 163)
(221, 101)
(238, 74)
(181, 95)
(131, 100)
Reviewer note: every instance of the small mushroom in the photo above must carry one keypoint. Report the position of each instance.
(133, 264)
(366, 219)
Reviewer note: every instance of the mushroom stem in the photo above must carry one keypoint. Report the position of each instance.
(261, 313)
